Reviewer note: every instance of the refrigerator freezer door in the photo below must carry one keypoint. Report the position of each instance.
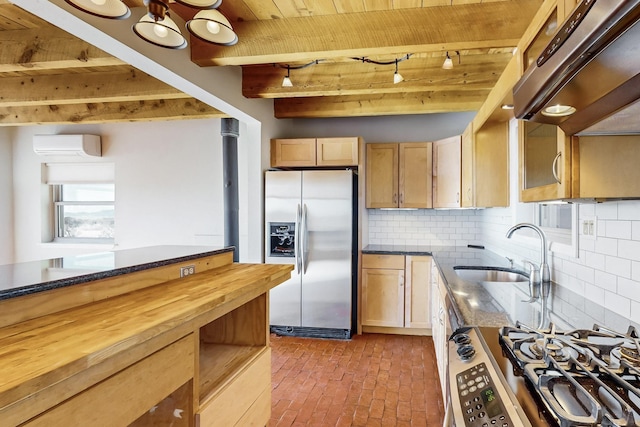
(327, 243)
(282, 205)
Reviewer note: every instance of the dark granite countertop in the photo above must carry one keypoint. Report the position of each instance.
(498, 304)
(38, 276)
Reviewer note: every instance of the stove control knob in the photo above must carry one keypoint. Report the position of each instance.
(462, 339)
(466, 352)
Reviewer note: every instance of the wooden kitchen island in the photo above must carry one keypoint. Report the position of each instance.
(139, 345)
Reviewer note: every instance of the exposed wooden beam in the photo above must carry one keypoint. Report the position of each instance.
(48, 48)
(107, 112)
(84, 88)
(475, 72)
(379, 105)
(364, 34)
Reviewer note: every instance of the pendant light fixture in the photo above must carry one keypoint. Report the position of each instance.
(448, 63)
(397, 77)
(201, 4)
(158, 28)
(111, 9)
(286, 82)
(212, 26)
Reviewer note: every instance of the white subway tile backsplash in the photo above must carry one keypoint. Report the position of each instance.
(629, 249)
(629, 210)
(617, 229)
(605, 246)
(617, 303)
(607, 211)
(618, 266)
(629, 289)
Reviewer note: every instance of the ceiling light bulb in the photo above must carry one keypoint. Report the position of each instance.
(163, 33)
(448, 63)
(397, 78)
(160, 30)
(286, 82)
(112, 9)
(213, 27)
(558, 110)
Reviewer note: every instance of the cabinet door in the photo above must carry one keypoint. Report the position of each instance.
(293, 152)
(417, 286)
(383, 297)
(382, 176)
(468, 164)
(415, 179)
(491, 149)
(337, 151)
(447, 172)
(545, 159)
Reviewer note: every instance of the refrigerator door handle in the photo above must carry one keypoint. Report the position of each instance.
(305, 238)
(297, 243)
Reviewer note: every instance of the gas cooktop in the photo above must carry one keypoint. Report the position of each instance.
(582, 377)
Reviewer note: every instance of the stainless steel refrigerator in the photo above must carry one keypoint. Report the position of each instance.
(310, 223)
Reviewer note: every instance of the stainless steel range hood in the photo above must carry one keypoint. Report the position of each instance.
(593, 65)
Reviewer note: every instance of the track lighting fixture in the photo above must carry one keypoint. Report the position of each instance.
(286, 81)
(448, 62)
(111, 9)
(200, 4)
(397, 77)
(162, 32)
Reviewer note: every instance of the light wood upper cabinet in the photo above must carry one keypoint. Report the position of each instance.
(305, 152)
(447, 172)
(467, 197)
(293, 152)
(415, 183)
(545, 162)
(399, 175)
(337, 151)
(491, 153)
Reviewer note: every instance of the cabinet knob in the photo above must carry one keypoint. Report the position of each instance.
(395, 197)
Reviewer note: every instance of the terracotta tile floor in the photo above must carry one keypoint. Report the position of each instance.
(371, 380)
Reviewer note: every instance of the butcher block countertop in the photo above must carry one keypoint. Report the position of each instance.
(49, 358)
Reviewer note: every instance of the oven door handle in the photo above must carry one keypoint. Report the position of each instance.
(448, 416)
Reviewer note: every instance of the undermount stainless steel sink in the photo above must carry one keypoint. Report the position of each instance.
(472, 274)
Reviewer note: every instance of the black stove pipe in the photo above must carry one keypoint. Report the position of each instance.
(230, 130)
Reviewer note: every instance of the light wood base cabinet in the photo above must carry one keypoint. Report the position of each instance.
(189, 352)
(395, 294)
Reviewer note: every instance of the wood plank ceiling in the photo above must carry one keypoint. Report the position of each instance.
(50, 76)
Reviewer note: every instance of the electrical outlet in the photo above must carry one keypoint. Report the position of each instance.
(187, 270)
(588, 227)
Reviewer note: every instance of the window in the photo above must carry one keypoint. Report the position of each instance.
(80, 202)
(84, 212)
(559, 222)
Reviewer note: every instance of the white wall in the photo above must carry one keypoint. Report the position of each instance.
(168, 184)
(6, 197)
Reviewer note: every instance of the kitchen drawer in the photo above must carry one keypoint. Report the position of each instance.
(393, 262)
(245, 400)
(124, 397)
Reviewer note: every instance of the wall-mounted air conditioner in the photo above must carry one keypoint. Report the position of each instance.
(67, 145)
